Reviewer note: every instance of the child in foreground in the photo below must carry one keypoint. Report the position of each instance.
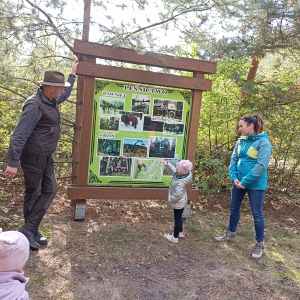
(14, 252)
(177, 198)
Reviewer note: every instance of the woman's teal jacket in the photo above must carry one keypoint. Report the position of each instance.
(249, 161)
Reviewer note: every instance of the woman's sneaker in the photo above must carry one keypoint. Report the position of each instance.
(171, 238)
(227, 237)
(258, 250)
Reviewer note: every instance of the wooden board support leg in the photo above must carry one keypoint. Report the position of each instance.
(86, 123)
(80, 209)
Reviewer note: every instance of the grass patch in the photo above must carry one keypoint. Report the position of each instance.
(46, 229)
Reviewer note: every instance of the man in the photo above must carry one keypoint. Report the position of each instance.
(33, 142)
(134, 121)
(141, 165)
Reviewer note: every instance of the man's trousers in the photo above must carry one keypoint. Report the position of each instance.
(40, 188)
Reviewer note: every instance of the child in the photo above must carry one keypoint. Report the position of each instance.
(14, 252)
(177, 194)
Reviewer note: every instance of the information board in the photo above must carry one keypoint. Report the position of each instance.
(134, 127)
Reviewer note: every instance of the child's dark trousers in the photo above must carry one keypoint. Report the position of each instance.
(178, 221)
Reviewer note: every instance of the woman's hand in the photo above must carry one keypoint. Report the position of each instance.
(239, 186)
(236, 182)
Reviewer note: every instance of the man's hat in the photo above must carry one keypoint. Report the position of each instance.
(55, 78)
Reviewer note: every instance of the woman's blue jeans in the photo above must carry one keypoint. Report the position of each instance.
(256, 199)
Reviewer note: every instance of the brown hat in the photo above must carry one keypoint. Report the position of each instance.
(54, 78)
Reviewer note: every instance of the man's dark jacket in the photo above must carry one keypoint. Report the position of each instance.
(37, 131)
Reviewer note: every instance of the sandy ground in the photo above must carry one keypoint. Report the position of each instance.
(120, 252)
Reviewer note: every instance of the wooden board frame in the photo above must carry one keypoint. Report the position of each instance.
(90, 70)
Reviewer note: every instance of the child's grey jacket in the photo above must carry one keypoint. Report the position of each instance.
(177, 190)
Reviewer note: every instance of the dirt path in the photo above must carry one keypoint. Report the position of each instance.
(119, 252)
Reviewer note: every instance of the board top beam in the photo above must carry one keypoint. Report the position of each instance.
(145, 77)
(148, 59)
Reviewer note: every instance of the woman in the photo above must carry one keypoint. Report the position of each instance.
(248, 172)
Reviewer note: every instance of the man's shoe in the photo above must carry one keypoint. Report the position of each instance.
(31, 238)
(227, 237)
(171, 238)
(40, 239)
(258, 250)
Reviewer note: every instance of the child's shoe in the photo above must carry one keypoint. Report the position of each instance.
(171, 238)
(181, 234)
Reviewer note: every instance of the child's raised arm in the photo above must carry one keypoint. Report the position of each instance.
(171, 167)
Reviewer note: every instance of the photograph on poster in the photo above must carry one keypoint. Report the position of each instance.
(141, 103)
(111, 106)
(135, 147)
(162, 147)
(109, 123)
(151, 125)
(109, 147)
(166, 170)
(167, 110)
(146, 169)
(115, 166)
(173, 129)
(131, 121)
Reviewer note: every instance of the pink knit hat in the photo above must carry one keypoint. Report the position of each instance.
(184, 166)
(14, 250)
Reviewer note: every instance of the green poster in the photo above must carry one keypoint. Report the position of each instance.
(134, 127)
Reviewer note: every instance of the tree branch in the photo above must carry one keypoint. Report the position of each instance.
(68, 121)
(158, 23)
(74, 102)
(50, 56)
(2, 87)
(52, 24)
(66, 124)
(18, 78)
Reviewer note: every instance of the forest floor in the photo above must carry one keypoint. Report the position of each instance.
(120, 251)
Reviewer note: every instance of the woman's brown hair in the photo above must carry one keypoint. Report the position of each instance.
(257, 121)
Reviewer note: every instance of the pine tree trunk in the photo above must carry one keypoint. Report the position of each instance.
(245, 97)
(251, 76)
(254, 66)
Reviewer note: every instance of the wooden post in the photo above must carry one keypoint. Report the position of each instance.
(84, 148)
(79, 104)
(194, 121)
(85, 140)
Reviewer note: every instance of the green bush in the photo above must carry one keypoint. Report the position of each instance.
(211, 175)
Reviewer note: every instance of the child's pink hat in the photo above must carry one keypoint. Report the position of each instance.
(184, 166)
(14, 250)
